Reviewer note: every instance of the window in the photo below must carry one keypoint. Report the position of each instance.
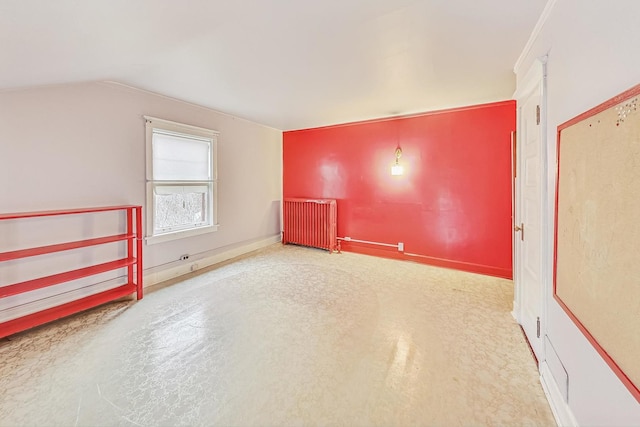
(181, 180)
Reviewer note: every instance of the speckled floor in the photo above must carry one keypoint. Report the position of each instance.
(288, 336)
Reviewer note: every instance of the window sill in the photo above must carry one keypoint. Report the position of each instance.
(159, 238)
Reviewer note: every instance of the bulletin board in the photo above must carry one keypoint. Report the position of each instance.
(597, 236)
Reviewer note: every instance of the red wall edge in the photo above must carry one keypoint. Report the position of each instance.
(452, 206)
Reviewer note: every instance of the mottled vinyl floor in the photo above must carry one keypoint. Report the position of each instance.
(287, 336)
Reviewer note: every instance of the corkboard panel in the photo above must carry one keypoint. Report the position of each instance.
(597, 266)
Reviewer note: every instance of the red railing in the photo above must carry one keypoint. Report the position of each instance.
(310, 222)
(132, 262)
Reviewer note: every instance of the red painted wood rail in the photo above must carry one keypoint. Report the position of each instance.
(132, 262)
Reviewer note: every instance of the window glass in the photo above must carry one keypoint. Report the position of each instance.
(181, 180)
(180, 206)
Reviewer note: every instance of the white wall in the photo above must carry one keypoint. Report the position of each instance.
(593, 52)
(83, 145)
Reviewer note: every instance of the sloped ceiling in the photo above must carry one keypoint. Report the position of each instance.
(288, 64)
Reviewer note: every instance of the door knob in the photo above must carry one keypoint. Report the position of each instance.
(520, 229)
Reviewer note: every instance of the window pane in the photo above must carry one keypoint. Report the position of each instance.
(180, 207)
(177, 158)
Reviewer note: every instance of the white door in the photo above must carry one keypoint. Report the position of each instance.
(528, 227)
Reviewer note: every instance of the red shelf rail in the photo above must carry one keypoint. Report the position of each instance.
(24, 253)
(132, 263)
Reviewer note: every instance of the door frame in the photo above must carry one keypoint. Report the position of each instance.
(537, 74)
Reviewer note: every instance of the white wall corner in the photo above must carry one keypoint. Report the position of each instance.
(559, 407)
(546, 12)
(154, 277)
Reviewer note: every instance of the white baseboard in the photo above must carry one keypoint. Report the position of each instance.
(561, 411)
(516, 311)
(153, 277)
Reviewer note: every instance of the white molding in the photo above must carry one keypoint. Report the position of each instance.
(516, 310)
(560, 409)
(534, 76)
(154, 277)
(546, 12)
(181, 127)
(182, 234)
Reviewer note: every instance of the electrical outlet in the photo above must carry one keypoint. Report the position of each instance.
(184, 257)
(400, 247)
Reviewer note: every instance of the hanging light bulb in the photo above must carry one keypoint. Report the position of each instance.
(397, 168)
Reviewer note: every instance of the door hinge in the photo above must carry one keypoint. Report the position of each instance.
(537, 114)
(538, 327)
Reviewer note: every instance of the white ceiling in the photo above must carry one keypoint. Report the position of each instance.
(289, 64)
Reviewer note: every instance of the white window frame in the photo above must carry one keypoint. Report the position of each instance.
(152, 123)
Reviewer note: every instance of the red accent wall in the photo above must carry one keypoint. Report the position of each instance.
(452, 205)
